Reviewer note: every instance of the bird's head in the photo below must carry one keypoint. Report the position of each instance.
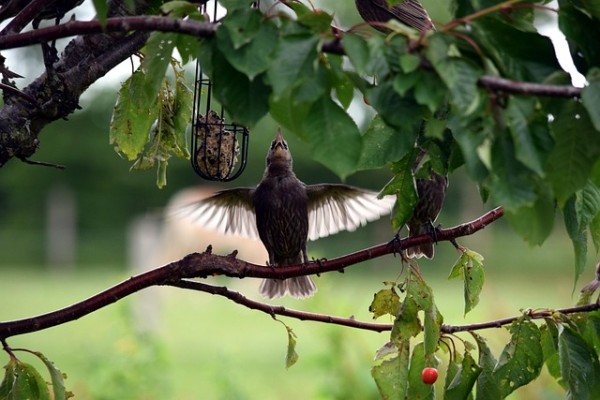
(279, 155)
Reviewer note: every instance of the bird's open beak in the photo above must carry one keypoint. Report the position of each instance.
(279, 141)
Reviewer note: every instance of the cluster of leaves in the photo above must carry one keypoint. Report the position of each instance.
(150, 117)
(568, 346)
(526, 153)
(23, 381)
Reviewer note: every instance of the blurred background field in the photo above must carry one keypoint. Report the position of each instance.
(167, 343)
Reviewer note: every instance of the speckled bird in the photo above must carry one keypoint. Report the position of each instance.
(285, 213)
(431, 193)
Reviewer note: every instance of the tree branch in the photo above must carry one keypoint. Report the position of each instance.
(119, 25)
(85, 60)
(495, 83)
(499, 323)
(57, 97)
(279, 310)
(203, 265)
(353, 323)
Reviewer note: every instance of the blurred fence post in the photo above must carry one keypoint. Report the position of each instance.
(61, 228)
(144, 241)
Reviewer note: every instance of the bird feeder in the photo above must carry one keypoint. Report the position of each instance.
(219, 148)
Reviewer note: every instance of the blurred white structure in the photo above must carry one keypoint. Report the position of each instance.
(61, 228)
(181, 236)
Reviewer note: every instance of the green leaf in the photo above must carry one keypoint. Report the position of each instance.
(430, 92)
(590, 95)
(232, 5)
(577, 235)
(334, 137)
(248, 41)
(382, 144)
(317, 20)
(157, 57)
(357, 50)
(403, 186)
(289, 114)
(595, 232)
(181, 9)
(579, 365)
(535, 222)
(464, 380)
(22, 381)
(182, 110)
(576, 150)
(134, 113)
(418, 289)
(390, 370)
(549, 342)
(404, 114)
(338, 78)
(101, 7)
(512, 184)
(432, 327)
(469, 267)
(488, 387)
(245, 100)
(517, 115)
(459, 75)
(522, 358)
(471, 140)
(580, 29)
(295, 62)
(57, 378)
(167, 135)
(587, 204)
(291, 357)
(386, 301)
(416, 388)
(521, 55)
(407, 322)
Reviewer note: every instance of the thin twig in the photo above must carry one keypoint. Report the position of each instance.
(499, 323)
(536, 89)
(279, 310)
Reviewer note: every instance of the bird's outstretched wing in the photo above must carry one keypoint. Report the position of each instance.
(228, 211)
(334, 208)
(409, 12)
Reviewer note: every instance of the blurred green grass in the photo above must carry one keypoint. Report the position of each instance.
(208, 347)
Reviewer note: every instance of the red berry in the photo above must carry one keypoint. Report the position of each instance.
(429, 375)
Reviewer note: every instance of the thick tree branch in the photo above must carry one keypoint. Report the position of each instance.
(113, 25)
(85, 60)
(203, 265)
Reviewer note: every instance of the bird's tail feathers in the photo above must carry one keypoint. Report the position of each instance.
(300, 287)
(423, 250)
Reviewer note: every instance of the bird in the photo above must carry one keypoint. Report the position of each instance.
(431, 193)
(285, 213)
(409, 12)
(55, 9)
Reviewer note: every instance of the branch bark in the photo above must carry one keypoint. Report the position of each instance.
(85, 60)
(203, 265)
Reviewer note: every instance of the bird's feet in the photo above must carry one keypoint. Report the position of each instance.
(432, 231)
(396, 244)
